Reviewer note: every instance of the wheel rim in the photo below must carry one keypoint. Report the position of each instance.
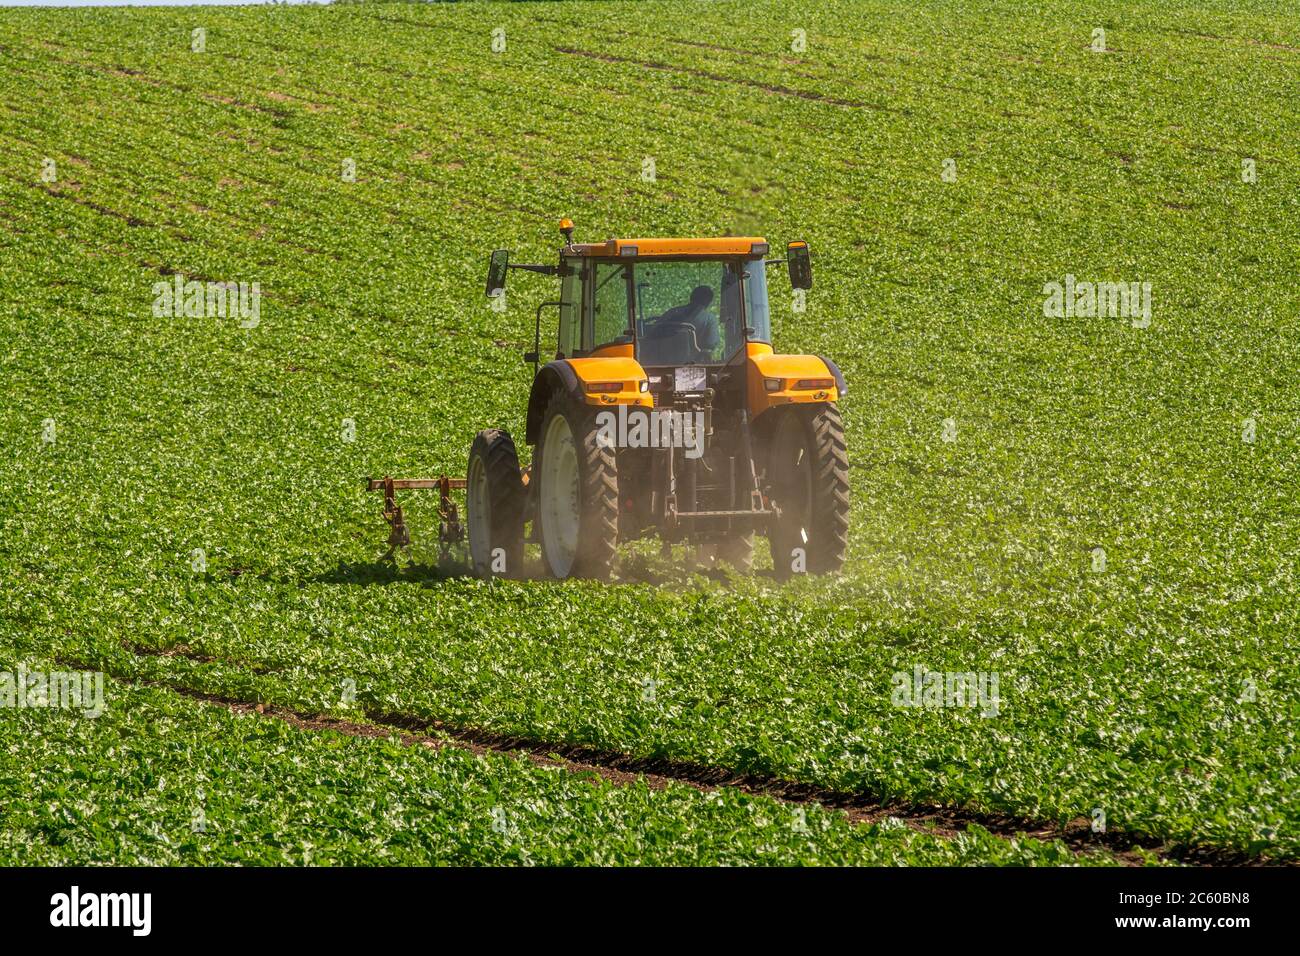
(479, 504)
(559, 497)
(794, 481)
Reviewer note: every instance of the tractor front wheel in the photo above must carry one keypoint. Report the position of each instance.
(808, 473)
(577, 493)
(494, 505)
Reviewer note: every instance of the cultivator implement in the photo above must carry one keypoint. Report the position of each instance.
(450, 530)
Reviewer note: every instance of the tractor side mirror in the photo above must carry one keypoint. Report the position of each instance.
(496, 280)
(796, 254)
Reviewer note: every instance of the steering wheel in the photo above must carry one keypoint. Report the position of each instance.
(662, 330)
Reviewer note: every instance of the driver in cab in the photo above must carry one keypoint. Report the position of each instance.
(694, 314)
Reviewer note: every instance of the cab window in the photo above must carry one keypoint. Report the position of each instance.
(609, 304)
(570, 340)
(688, 311)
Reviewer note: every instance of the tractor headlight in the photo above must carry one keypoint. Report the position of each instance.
(643, 386)
(773, 384)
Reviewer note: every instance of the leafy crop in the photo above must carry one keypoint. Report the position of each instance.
(161, 780)
(1160, 686)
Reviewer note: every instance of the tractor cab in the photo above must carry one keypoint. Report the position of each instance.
(663, 302)
(673, 301)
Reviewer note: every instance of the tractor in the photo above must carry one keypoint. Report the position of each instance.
(665, 412)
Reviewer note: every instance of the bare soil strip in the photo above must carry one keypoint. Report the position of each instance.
(621, 770)
(774, 89)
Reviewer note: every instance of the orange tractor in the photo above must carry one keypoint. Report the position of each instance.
(665, 412)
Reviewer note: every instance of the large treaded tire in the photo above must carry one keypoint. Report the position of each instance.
(816, 503)
(493, 456)
(597, 481)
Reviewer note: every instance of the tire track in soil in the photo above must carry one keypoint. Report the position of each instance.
(772, 88)
(622, 769)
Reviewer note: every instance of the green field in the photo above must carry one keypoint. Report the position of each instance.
(994, 450)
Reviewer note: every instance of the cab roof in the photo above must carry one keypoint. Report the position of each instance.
(721, 246)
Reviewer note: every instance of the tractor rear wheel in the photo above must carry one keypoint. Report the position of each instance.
(577, 493)
(808, 471)
(494, 505)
